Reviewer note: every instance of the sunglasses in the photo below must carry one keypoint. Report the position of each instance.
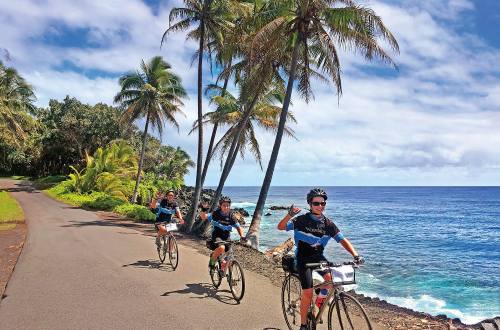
(318, 203)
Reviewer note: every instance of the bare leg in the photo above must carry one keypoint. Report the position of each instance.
(217, 252)
(305, 302)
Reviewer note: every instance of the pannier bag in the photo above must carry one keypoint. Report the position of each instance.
(288, 263)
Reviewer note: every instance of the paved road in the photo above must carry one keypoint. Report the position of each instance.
(77, 272)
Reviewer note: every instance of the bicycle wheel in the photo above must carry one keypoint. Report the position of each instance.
(236, 280)
(215, 275)
(348, 314)
(290, 301)
(162, 249)
(173, 252)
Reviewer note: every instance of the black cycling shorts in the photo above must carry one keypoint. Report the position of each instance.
(305, 274)
(212, 243)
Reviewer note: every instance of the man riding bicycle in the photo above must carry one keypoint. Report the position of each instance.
(312, 231)
(223, 220)
(164, 212)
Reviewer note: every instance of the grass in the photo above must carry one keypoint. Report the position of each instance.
(10, 211)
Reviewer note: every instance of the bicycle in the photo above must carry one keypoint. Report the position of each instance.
(344, 311)
(227, 266)
(168, 243)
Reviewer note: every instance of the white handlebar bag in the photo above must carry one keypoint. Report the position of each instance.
(343, 275)
(171, 226)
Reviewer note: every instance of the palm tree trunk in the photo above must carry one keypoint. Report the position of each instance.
(212, 138)
(253, 231)
(208, 226)
(236, 138)
(199, 162)
(209, 153)
(141, 160)
(230, 159)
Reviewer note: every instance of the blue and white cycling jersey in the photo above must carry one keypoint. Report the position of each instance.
(312, 234)
(165, 210)
(222, 223)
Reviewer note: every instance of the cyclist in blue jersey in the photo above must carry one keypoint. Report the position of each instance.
(223, 220)
(312, 231)
(164, 212)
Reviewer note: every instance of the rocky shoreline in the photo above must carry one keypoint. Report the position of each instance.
(269, 265)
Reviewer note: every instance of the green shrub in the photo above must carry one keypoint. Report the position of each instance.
(101, 201)
(135, 211)
(52, 179)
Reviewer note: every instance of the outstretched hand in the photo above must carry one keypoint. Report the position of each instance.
(359, 260)
(293, 210)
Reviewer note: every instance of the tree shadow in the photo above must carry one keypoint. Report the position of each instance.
(151, 264)
(102, 223)
(22, 187)
(205, 290)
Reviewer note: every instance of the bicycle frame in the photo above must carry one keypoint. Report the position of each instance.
(332, 294)
(334, 289)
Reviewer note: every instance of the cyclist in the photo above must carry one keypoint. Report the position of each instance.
(312, 231)
(223, 220)
(168, 207)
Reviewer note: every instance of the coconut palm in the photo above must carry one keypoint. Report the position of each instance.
(229, 112)
(16, 99)
(154, 92)
(173, 163)
(210, 18)
(314, 29)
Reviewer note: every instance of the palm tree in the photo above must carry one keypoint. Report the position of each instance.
(16, 99)
(211, 18)
(156, 93)
(173, 163)
(265, 114)
(230, 112)
(312, 29)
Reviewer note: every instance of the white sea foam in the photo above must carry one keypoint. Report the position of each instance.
(428, 304)
(243, 204)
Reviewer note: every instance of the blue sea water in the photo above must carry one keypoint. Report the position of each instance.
(431, 249)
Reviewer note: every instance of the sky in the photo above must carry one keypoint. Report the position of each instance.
(434, 121)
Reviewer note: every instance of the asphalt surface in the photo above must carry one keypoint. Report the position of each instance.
(77, 271)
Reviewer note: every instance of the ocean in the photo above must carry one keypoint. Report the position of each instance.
(431, 249)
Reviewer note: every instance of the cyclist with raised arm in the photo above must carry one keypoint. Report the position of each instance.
(312, 231)
(164, 212)
(223, 220)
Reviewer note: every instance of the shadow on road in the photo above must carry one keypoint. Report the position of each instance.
(205, 290)
(102, 223)
(21, 186)
(150, 264)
